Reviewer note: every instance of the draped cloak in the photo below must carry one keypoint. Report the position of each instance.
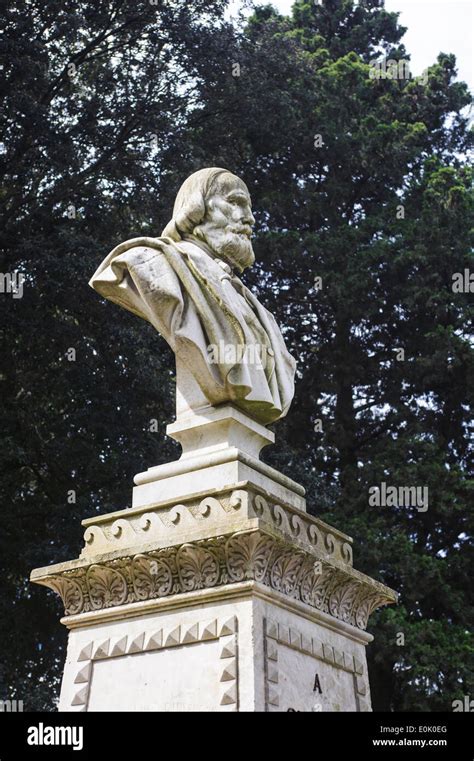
(196, 301)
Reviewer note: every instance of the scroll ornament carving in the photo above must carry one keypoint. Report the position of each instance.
(305, 530)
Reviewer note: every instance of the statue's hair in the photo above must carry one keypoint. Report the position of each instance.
(190, 205)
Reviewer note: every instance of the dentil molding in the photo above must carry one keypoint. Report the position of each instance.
(146, 641)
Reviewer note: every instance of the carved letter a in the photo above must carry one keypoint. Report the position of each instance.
(317, 685)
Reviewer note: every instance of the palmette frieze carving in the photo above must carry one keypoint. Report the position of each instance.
(198, 567)
(208, 563)
(159, 523)
(248, 556)
(106, 587)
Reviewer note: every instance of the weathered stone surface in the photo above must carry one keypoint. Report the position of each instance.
(224, 602)
(202, 515)
(228, 346)
(252, 650)
(216, 591)
(246, 538)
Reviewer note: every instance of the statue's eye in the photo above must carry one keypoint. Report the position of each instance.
(236, 200)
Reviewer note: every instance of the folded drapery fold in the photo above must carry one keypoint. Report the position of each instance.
(229, 342)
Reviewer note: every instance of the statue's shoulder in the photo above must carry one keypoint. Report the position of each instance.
(140, 252)
(141, 244)
(143, 249)
(133, 251)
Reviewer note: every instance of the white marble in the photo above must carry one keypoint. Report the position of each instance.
(249, 650)
(228, 347)
(221, 447)
(215, 591)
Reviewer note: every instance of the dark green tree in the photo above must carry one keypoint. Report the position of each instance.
(91, 94)
(357, 180)
(364, 203)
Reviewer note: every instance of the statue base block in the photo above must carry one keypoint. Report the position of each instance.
(241, 647)
(230, 600)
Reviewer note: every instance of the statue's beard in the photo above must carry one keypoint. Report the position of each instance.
(233, 245)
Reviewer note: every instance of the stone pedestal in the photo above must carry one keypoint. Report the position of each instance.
(215, 591)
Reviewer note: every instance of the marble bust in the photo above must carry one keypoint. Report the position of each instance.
(228, 347)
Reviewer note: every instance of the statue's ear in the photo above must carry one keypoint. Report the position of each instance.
(191, 213)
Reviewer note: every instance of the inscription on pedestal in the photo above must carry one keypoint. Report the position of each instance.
(305, 674)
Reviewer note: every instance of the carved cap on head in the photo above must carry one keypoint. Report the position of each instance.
(190, 205)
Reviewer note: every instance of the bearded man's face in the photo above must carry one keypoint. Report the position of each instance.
(227, 226)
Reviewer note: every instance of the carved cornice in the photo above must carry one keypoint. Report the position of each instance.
(165, 523)
(255, 555)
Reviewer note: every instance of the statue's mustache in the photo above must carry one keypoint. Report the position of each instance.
(240, 230)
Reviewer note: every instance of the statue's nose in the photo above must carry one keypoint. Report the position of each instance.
(249, 218)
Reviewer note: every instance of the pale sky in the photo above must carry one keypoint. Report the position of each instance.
(434, 26)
